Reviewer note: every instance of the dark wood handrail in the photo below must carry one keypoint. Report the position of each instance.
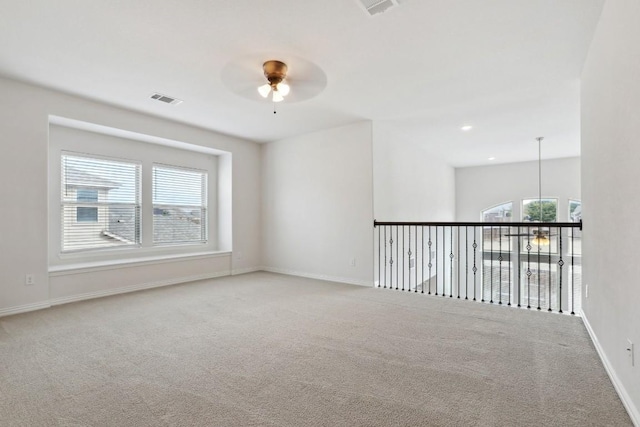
(482, 224)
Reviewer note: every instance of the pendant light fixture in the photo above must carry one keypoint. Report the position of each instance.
(541, 238)
(275, 72)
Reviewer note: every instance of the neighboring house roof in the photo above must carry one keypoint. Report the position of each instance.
(78, 178)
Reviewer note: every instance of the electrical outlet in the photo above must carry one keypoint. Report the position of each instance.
(352, 262)
(630, 352)
(29, 279)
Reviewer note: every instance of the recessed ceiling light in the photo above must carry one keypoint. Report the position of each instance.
(466, 128)
(491, 158)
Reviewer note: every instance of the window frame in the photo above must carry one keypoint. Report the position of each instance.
(111, 143)
(97, 204)
(165, 207)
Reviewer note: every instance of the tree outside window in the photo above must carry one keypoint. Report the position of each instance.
(531, 211)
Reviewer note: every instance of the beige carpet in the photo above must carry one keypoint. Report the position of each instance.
(269, 350)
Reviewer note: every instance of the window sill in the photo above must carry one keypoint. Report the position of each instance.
(87, 267)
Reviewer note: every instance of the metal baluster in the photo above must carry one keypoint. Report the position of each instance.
(422, 283)
(475, 269)
(549, 294)
(573, 273)
(500, 267)
(397, 257)
(528, 267)
(409, 255)
(466, 262)
(379, 258)
(415, 261)
(491, 265)
(451, 262)
(560, 264)
(483, 265)
(539, 267)
(436, 261)
(509, 269)
(385, 257)
(458, 231)
(391, 258)
(403, 264)
(519, 288)
(430, 264)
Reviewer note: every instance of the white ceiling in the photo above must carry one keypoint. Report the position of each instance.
(510, 68)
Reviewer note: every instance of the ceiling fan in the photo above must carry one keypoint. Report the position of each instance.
(275, 72)
(274, 77)
(540, 236)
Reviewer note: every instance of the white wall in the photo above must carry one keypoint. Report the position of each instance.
(318, 204)
(411, 181)
(481, 187)
(24, 124)
(611, 166)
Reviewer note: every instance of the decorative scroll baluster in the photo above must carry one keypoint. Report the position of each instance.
(466, 263)
(560, 264)
(403, 263)
(391, 259)
(451, 263)
(549, 263)
(573, 275)
(385, 257)
(539, 275)
(475, 268)
(528, 267)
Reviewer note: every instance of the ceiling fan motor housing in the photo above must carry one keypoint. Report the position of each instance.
(275, 72)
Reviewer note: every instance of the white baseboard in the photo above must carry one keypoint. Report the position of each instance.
(24, 308)
(633, 411)
(237, 271)
(139, 287)
(318, 276)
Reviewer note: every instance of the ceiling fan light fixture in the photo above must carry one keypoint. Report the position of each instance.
(283, 89)
(540, 240)
(264, 90)
(275, 72)
(277, 96)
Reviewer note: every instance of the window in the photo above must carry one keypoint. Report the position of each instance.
(495, 238)
(532, 212)
(575, 210)
(100, 202)
(499, 213)
(179, 205)
(83, 213)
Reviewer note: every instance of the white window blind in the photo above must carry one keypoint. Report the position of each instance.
(100, 203)
(179, 205)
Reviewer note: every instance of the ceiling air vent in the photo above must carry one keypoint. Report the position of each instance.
(166, 99)
(374, 7)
